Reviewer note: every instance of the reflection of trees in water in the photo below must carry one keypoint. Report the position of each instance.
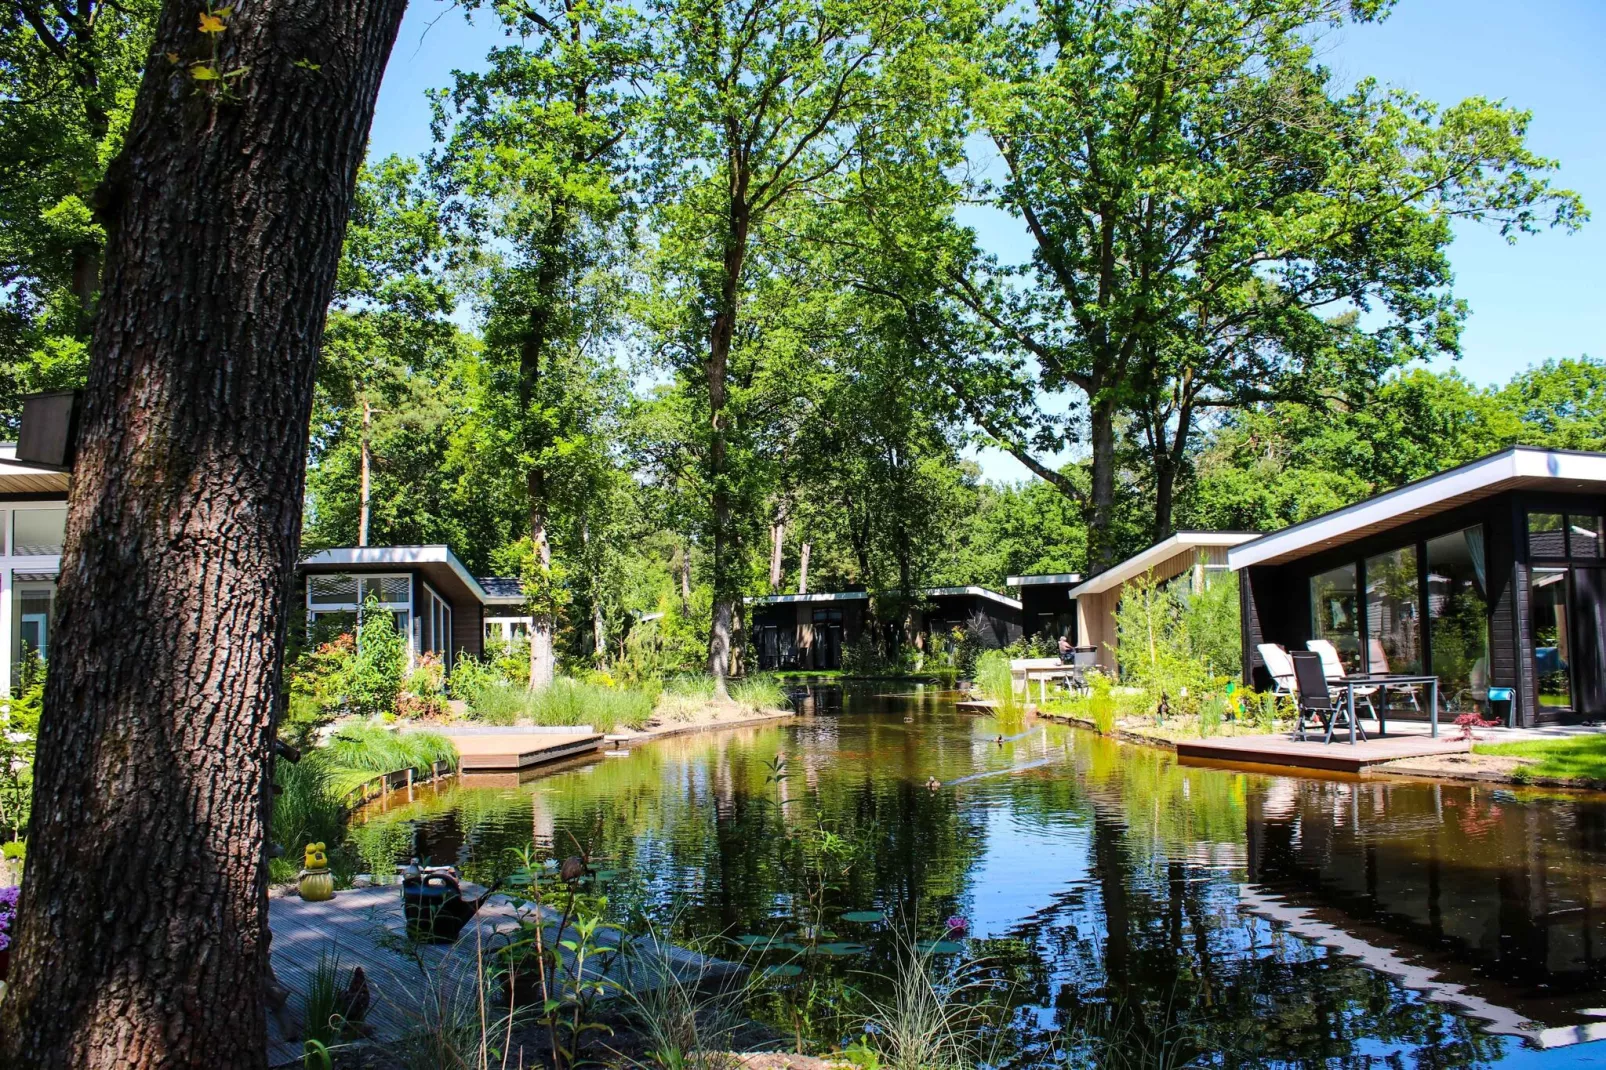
(1148, 954)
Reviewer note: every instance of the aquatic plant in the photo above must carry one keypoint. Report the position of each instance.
(759, 692)
(687, 1014)
(935, 1018)
(567, 989)
(995, 680)
(1101, 702)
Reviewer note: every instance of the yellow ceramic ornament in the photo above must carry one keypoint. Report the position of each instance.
(317, 883)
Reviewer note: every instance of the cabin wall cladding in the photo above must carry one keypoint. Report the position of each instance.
(1275, 598)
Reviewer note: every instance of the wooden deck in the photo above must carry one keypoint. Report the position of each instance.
(500, 750)
(414, 985)
(1335, 757)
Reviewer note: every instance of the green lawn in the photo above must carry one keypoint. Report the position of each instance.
(1577, 756)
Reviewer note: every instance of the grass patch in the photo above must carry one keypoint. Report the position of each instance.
(1566, 759)
(565, 702)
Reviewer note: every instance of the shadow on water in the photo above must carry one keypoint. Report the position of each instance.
(1127, 901)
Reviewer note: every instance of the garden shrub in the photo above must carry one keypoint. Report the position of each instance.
(374, 679)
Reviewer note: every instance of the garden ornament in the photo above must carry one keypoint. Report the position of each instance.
(316, 883)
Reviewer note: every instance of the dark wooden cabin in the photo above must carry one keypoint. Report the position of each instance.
(438, 605)
(1047, 607)
(1491, 576)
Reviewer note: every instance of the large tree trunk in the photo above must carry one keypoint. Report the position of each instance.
(142, 930)
(727, 605)
(1101, 502)
(777, 549)
(1168, 461)
(803, 568)
(543, 662)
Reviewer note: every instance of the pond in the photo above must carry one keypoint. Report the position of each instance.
(1121, 897)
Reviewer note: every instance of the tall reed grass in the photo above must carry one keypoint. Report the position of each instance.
(996, 681)
(564, 702)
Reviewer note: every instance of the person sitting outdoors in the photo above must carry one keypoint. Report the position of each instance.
(1065, 650)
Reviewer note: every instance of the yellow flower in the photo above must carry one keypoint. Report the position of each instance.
(210, 23)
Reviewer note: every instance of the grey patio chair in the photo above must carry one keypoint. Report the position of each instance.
(1333, 669)
(1315, 699)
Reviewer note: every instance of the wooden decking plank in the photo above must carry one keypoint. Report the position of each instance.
(1337, 756)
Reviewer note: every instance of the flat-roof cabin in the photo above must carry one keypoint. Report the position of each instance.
(1491, 576)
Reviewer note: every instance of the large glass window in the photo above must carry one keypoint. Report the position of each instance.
(1458, 618)
(335, 600)
(34, 601)
(1393, 613)
(1334, 615)
(1552, 662)
(1547, 535)
(38, 532)
(1583, 536)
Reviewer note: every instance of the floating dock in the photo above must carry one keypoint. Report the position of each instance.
(1334, 757)
(498, 750)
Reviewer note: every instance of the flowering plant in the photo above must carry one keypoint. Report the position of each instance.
(8, 913)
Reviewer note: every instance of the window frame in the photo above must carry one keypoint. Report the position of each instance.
(314, 610)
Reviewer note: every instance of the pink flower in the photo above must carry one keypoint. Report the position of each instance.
(956, 924)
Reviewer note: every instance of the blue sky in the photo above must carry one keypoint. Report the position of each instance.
(1536, 300)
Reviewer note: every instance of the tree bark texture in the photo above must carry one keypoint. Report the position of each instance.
(803, 568)
(727, 598)
(777, 549)
(1100, 506)
(142, 931)
(543, 662)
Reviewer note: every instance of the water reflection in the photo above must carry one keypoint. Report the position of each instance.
(1140, 910)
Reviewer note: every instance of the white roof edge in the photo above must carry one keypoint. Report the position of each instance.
(979, 592)
(434, 554)
(822, 596)
(1141, 562)
(1518, 462)
(1045, 577)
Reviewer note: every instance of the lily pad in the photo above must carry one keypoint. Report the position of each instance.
(607, 874)
(766, 943)
(939, 947)
(844, 948)
(864, 917)
(782, 971)
(518, 880)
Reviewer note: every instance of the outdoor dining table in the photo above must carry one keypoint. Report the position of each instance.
(1383, 681)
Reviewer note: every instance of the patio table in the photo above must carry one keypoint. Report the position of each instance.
(1070, 673)
(1383, 681)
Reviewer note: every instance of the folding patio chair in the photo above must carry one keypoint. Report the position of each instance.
(1333, 669)
(1378, 661)
(1315, 699)
(1278, 665)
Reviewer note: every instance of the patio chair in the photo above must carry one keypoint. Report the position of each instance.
(1333, 669)
(1315, 699)
(1278, 665)
(1378, 661)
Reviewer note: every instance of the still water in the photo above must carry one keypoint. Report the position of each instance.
(1169, 911)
